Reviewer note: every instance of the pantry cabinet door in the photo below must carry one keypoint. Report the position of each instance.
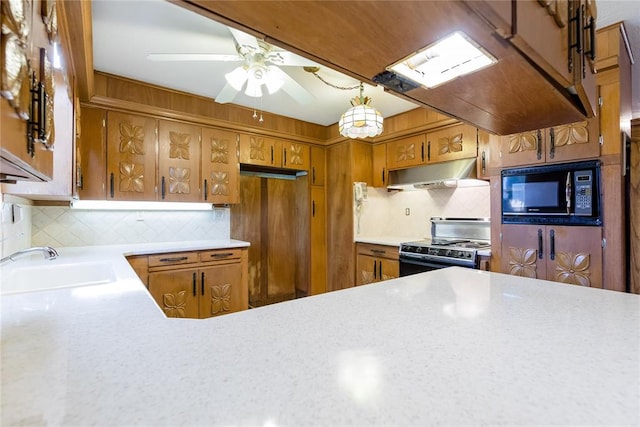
(131, 157)
(523, 250)
(220, 166)
(179, 162)
(318, 167)
(175, 292)
(575, 255)
(456, 142)
(221, 290)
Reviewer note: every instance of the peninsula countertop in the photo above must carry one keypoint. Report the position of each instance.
(451, 346)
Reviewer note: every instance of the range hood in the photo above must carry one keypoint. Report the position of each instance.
(451, 174)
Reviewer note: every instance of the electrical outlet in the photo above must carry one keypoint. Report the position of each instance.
(407, 211)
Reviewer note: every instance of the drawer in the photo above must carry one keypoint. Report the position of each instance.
(173, 258)
(382, 251)
(220, 254)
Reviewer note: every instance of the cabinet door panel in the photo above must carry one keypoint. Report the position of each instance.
(388, 269)
(577, 255)
(573, 141)
(131, 157)
(220, 166)
(380, 171)
(524, 148)
(367, 269)
(258, 150)
(318, 241)
(520, 250)
(175, 292)
(91, 159)
(221, 290)
(179, 162)
(456, 142)
(295, 156)
(406, 152)
(317, 166)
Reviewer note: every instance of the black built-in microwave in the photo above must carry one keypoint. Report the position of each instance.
(567, 193)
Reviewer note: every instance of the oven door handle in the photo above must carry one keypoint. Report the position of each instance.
(425, 263)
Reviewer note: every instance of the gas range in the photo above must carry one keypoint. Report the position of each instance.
(454, 241)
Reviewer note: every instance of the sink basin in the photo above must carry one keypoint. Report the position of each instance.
(52, 275)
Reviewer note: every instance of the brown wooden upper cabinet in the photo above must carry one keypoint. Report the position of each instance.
(318, 168)
(265, 151)
(562, 143)
(451, 143)
(220, 166)
(131, 157)
(179, 162)
(380, 170)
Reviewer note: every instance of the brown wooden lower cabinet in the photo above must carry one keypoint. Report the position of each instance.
(196, 284)
(564, 254)
(376, 263)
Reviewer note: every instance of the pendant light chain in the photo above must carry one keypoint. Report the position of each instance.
(315, 73)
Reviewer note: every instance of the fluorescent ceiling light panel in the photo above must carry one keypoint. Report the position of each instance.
(444, 60)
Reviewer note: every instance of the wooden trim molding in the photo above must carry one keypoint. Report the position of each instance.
(75, 28)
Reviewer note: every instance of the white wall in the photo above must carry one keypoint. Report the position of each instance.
(15, 235)
(383, 213)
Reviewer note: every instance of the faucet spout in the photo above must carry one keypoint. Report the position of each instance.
(47, 251)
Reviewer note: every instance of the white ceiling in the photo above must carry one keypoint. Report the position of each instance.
(125, 32)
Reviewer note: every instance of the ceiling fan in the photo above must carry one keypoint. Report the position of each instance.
(261, 68)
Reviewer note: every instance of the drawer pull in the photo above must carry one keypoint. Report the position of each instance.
(174, 259)
(222, 255)
(378, 251)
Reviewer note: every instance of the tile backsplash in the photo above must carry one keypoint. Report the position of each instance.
(384, 212)
(63, 226)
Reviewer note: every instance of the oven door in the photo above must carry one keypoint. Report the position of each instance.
(409, 266)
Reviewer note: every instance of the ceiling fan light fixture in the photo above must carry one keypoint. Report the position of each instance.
(236, 78)
(274, 81)
(361, 120)
(253, 87)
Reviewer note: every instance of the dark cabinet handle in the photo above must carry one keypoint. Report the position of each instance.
(383, 174)
(313, 208)
(375, 268)
(380, 270)
(174, 259)
(422, 151)
(112, 185)
(162, 187)
(591, 26)
(285, 157)
(575, 33)
(429, 151)
(378, 251)
(206, 193)
(540, 254)
(552, 143)
(484, 163)
(194, 284)
(539, 143)
(222, 255)
(272, 154)
(552, 244)
(313, 174)
(202, 283)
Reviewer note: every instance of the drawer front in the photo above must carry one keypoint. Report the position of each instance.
(220, 255)
(173, 258)
(382, 251)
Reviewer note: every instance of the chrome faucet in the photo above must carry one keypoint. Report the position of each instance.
(47, 251)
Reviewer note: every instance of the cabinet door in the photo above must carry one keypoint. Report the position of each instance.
(486, 163)
(175, 292)
(220, 166)
(366, 269)
(406, 152)
(179, 162)
(258, 150)
(131, 157)
(317, 165)
(221, 290)
(379, 178)
(91, 158)
(575, 255)
(388, 269)
(295, 156)
(521, 247)
(456, 142)
(573, 141)
(524, 148)
(318, 242)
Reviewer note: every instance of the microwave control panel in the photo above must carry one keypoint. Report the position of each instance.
(583, 187)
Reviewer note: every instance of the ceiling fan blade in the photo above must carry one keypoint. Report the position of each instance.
(292, 87)
(193, 57)
(289, 59)
(244, 39)
(226, 94)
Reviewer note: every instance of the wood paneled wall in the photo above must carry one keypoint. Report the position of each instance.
(634, 205)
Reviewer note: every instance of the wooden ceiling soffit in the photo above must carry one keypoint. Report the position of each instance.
(75, 28)
(508, 97)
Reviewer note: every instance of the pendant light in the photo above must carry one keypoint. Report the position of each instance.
(361, 120)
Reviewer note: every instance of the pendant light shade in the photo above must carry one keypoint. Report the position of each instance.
(361, 120)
